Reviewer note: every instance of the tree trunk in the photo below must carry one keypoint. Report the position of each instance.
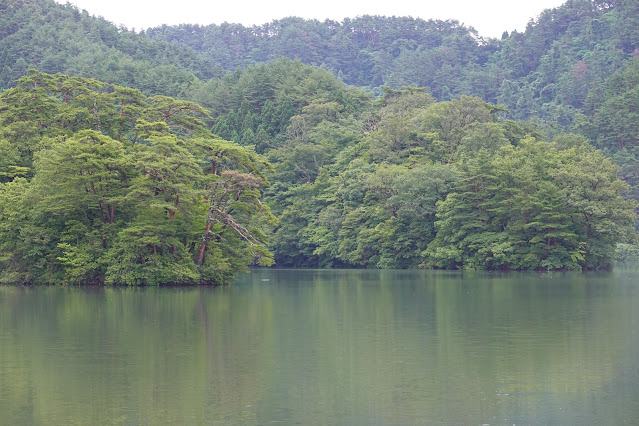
(205, 241)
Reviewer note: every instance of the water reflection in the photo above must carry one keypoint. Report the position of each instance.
(327, 347)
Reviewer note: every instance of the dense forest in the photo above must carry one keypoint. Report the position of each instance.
(185, 154)
(103, 184)
(544, 72)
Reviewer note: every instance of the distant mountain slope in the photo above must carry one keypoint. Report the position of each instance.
(59, 38)
(358, 50)
(544, 73)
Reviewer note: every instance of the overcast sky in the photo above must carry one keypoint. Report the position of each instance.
(489, 17)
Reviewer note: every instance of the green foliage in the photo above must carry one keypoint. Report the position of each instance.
(58, 38)
(628, 252)
(106, 184)
(533, 207)
(444, 185)
(545, 73)
(120, 189)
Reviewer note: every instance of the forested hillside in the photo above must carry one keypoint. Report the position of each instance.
(185, 154)
(543, 73)
(59, 38)
(406, 181)
(103, 184)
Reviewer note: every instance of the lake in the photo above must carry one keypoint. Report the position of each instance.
(327, 347)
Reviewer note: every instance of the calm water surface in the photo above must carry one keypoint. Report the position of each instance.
(318, 347)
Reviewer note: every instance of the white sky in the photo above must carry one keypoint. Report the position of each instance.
(489, 17)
